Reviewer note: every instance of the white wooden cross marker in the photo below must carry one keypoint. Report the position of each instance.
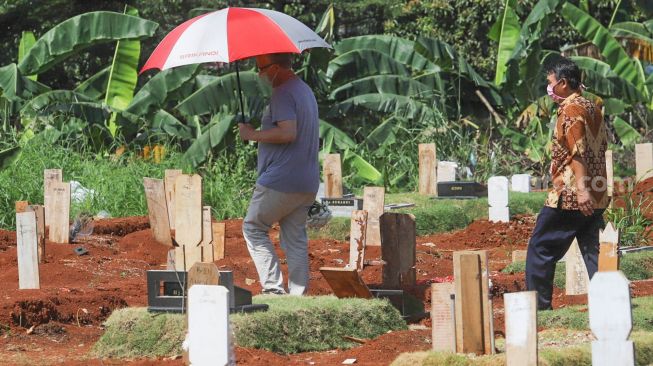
(576, 276)
(610, 320)
(521, 328)
(28, 261)
(209, 340)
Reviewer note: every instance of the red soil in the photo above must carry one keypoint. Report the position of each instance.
(79, 292)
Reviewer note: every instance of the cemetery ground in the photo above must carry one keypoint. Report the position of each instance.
(65, 319)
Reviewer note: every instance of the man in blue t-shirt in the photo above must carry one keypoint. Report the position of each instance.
(288, 175)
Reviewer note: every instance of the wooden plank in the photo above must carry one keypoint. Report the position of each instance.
(21, 206)
(398, 249)
(609, 170)
(207, 235)
(357, 238)
(644, 161)
(188, 217)
(373, 203)
(60, 213)
(169, 180)
(442, 317)
(486, 304)
(345, 282)
(49, 176)
(157, 210)
(608, 249)
(519, 256)
(521, 328)
(219, 231)
(576, 277)
(39, 211)
(427, 184)
(180, 259)
(170, 259)
(203, 274)
(469, 312)
(27, 251)
(332, 176)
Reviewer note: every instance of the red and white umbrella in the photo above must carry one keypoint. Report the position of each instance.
(232, 34)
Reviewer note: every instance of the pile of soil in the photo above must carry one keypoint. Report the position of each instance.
(62, 320)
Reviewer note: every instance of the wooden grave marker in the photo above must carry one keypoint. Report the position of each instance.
(608, 249)
(171, 259)
(609, 170)
(521, 328)
(398, 249)
(27, 251)
(486, 303)
(209, 338)
(207, 235)
(428, 183)
(469, 310)
(169, 180)
(443, 324)
(345, 282)
(59, 231)
(49, 176)
(39, 211)
(21, 206)
(519, 255)
(357, 237)
(576, 277)
(188, 218)
(373, 203)
(332, 176)
(203, 274)
(219, 230)
(611, 320)
(644, 161)
(157, 210)
(497, 197)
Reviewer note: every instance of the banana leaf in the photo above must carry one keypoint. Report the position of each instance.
(15, 87)
(27, 40)
(614, 54)
(72, 36)
(400, 49)
(626, 133)
(222, 96)
(155, 93)
(96, 86)
(357, 64)
(383, 135)
(214, 134)
(382, 84)
(361, 169)
(166, 123)
(9, 156)
(67, 102)
(508, 37)
(332, 136)
(600, 78)
(399, 105)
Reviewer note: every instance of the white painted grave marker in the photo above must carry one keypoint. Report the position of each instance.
(447, 171)
(442, 317)
(498, 199)
(59, 213)
(520, 183)
(209, 340)
(576, 277)
(521, 328)
(28, 261)
(49, 176)
(609, 171)
(610, 320)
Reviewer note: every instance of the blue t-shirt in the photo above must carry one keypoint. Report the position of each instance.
(291, 167)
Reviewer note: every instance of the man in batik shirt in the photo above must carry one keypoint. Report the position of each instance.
(575, 204)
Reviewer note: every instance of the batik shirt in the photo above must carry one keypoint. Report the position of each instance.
(579, 131)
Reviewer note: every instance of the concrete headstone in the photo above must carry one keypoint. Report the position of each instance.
(521, 328)
(209, 338)
(520, 183)
(447, 171)
(27, 243)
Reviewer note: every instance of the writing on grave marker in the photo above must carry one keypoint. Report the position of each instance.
(50, 176)
(27, 251)
(576, 277)
(442, 317)
(60, 213)
(332, 176)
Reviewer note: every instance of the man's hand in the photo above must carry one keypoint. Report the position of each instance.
(246, 131)
(585, 202)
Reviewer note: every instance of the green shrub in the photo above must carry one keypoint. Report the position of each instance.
(637, 266)
(292, 324)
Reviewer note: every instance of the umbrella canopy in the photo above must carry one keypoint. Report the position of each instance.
(232, 34)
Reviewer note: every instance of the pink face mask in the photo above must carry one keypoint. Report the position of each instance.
(552, 94)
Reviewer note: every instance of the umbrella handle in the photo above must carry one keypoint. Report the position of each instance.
(240, 94)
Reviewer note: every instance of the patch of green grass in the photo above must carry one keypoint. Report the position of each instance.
(578, 355)
(337, 228)
(576, 317)
(292, 324)
(227, 180)
(637, 266)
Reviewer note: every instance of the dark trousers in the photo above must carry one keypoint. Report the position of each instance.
(554, 232)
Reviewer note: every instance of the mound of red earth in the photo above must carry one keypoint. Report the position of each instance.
(61, 321)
